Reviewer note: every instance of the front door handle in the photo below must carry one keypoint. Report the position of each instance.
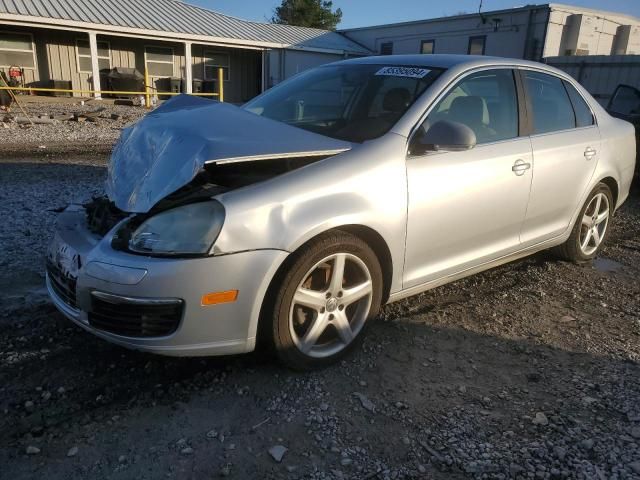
(520, 166)
(589, 153)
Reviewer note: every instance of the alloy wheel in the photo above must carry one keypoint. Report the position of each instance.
(330, 305)
(594, 224)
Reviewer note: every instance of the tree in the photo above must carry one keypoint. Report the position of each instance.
(307, 13)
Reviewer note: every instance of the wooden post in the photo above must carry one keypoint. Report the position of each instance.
(221, 84)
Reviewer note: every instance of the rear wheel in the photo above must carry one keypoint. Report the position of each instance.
(332, 287)
(591, 228)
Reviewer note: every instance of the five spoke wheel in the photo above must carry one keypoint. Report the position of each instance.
(594, 223)
(330, 305)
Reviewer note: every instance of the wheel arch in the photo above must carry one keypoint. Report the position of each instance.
(613, 186)
(370, 236)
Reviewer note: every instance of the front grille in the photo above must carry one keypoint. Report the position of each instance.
(135, 317)
(63, 285)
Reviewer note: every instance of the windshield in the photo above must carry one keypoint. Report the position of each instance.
(347, 102)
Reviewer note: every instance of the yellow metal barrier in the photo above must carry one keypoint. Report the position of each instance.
(106, 92)
(146, 93)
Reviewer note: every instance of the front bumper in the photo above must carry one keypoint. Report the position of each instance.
(135, 284)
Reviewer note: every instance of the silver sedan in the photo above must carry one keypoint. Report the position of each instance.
(291, 220)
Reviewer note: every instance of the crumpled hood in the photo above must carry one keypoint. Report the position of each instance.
(167, 148)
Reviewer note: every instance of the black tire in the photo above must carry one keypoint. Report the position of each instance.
(570, 250)
(286, 284)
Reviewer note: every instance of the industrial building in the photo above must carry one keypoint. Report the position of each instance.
(74, 43)
(531, 32)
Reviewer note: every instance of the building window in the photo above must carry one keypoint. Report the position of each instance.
(477, 45)
(386, 48)
(428, 46)
(213, 61)
(16, 49)
(83, 54)
(159, 61)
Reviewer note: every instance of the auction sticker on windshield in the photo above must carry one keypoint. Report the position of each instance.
(411, 72)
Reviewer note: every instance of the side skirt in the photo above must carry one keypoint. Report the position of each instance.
(423, 287)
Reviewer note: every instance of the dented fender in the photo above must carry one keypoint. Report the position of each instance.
(353, 188)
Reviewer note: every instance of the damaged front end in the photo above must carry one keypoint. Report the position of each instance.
(167, 168)
(189, 137)
(103, 215)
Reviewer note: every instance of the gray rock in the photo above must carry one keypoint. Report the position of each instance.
(635, 467)
(31, 450)
(73, 451)
(365, 402)
(186, 451)
(540, 419)
(277, 452)
(635, 432)
(560, 452)
(346, 461)
(587, 444)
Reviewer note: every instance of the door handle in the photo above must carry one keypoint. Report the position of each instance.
(520, 166)
(589, 153)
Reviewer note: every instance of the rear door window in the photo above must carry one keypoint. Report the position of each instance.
(552, 109)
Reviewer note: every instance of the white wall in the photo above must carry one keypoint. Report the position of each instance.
(451, 34)
(521, 33)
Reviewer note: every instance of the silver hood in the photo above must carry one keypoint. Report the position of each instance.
(167, 148)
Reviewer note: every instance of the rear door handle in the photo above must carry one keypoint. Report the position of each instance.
(589, 153)
(520, 166)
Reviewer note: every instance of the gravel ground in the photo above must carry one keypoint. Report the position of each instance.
(63, 136)
(527, 371)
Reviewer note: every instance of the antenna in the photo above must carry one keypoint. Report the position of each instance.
(480, 13)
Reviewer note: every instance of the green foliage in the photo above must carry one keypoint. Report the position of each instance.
(307, 13)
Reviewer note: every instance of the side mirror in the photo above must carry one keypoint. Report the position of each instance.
(444, 136)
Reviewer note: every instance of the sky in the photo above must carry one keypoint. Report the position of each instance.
(360, 13)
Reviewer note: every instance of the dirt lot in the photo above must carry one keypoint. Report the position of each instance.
(528, 371)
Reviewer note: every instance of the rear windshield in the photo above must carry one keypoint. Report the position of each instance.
(347, 102)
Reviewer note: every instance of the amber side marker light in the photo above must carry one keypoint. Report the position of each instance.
(215, 298)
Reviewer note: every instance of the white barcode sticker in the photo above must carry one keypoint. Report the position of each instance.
(411, 72)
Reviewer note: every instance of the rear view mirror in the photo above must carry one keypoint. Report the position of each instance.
(444, 136)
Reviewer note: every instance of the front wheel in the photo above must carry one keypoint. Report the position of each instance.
(332, 287)
(591, 228)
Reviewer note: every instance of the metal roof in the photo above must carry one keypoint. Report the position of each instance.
(176, 17)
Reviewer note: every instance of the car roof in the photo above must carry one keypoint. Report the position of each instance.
(442, 61)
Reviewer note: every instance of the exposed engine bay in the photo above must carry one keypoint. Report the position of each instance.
(102, 214)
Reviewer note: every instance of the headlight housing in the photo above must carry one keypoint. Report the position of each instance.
(187, 230)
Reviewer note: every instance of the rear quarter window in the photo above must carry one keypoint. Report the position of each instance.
(584, 117)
